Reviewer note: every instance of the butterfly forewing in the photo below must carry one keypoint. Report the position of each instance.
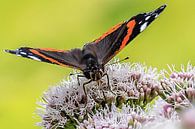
(113, 41)
(70, 58)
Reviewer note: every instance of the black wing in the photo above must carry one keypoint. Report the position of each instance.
(70, 58)
(114, 40)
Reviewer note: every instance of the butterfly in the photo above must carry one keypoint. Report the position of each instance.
(91, 59)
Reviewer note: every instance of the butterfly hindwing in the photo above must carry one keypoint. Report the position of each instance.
(70, 58)
(113, 41)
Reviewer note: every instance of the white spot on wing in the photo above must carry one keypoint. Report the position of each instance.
(34, 58)
(17, 51)
(143, 27)
(23, 53)
(162, 7)
(147, 18)
(156, 15)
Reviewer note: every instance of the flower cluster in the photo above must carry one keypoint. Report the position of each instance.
(132, 96)
(135, 83)
(62, 104)
(115, 118)
(179, 87)
(127, 117)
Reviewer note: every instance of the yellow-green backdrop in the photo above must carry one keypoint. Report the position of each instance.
(66, 24)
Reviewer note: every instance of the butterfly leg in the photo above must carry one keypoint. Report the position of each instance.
(99, 84)
(79, 76)
(108, 82)
(85, 91)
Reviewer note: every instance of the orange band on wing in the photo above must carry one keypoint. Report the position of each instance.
(45, 57)
(51, 49)
(109, 32)
(130, 27)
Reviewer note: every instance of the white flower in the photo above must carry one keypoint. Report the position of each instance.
(165, 117)
(115, 118)
(62, 103)
(179, 87)
(132, 84)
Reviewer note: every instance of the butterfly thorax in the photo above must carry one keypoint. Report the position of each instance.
(93, 70)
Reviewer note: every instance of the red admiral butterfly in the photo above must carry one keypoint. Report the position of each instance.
(92, 58)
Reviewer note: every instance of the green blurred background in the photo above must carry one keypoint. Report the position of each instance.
(66, 24)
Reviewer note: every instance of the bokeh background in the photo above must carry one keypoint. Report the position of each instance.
(66, 24)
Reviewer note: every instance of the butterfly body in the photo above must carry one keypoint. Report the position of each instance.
(93, 70)
(92, 58)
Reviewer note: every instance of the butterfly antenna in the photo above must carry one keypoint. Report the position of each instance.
(126, 58)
